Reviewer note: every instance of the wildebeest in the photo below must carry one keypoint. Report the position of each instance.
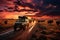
(50, 21)
(57, 22)
(6, 21)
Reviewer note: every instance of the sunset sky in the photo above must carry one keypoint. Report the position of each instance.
(42, 7)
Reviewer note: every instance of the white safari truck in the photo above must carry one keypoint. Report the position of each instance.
(21, 23)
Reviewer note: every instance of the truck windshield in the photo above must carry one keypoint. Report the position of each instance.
(22, 20)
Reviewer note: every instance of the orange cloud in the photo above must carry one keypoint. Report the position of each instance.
(29, 1)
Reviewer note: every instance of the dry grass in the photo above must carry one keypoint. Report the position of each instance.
(11, 22)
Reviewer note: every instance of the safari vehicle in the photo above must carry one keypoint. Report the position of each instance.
(21, 23)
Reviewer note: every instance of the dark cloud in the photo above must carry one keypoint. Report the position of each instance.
(42, 5)
(53, 9)
(2, 2)
(55, 12)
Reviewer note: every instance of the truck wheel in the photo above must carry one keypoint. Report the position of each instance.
(15, 28)
(24, 27)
